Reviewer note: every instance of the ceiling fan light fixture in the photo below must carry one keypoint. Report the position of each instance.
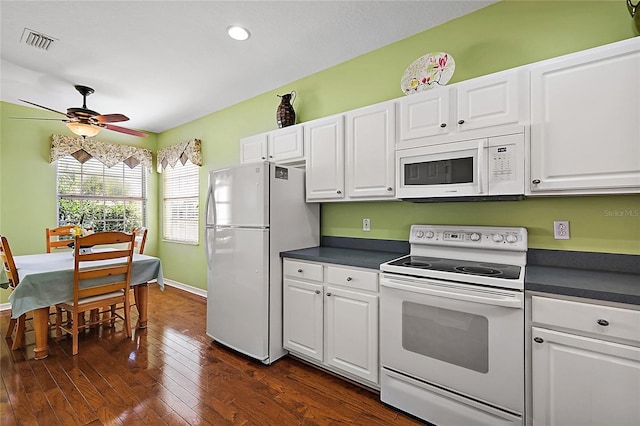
(237, 32)
(84, 130)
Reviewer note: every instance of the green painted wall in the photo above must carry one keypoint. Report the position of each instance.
(501, 36)
(28, 181)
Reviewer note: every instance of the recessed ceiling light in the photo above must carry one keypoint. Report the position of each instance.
(238, 33)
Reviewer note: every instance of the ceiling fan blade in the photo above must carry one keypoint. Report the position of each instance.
(110, 118)
(44, 107)
(125, 130)
(38, 118)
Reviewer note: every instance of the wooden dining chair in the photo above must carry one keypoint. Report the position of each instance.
(112, 286)
(140, 238)
(54, 235)
(15, 324)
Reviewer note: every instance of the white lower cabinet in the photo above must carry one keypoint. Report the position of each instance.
(331, 318)
(585, 364)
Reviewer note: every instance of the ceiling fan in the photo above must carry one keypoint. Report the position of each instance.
(85, 122)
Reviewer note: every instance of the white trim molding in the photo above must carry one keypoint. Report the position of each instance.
(194, 290)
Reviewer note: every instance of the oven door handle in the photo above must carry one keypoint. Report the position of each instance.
(497, 299)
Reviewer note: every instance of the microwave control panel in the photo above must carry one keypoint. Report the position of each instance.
(502, 160)
(505, 158)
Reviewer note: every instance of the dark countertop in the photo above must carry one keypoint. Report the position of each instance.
(600, 276)
(343, 256)
(590, 284)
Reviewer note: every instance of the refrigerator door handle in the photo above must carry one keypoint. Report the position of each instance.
(240, 227)
(209, 209)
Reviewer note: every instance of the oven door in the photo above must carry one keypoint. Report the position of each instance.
(459, 337)
(448, 170)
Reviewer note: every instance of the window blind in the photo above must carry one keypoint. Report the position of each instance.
(181, 203)
(109, 199)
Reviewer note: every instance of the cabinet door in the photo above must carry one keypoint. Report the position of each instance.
(303, 318)
(583, 381)
(324, 145)
(370, 154)
(352, 332)
(425, 114)
(253, 148)
(585, 121)
(492, 100)
(286, 144)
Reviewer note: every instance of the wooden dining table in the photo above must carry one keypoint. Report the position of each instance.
(47, 279)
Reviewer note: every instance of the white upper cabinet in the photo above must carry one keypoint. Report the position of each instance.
(425, 114)
(279, 146)
(493, 100)
(352, 161)
(253, 148)
(324, 145)
(444, 114)
(585, 122)
(370, 151)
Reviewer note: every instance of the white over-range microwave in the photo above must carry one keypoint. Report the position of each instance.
(479, 169)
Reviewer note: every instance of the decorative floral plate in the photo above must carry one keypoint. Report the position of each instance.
(428, 71)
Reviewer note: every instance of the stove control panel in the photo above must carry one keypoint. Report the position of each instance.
(502, 238)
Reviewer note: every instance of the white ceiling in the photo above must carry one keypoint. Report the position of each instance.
(165, 63)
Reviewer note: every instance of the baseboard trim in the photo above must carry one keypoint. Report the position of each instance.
(194, 290)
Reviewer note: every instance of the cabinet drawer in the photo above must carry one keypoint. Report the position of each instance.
(601, 321)
(353, 278)
(304, 270)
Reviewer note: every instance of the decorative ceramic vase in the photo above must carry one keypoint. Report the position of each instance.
(634, 10)
(285, 114)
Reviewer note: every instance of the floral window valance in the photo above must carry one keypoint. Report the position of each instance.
(107, 153)
(183, 151)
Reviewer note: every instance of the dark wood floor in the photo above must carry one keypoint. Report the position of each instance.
(171, 373)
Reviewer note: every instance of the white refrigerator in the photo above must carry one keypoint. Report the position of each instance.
(254, 211)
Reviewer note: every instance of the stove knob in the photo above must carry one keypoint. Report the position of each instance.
(419, 234)
(498, 238)
(475, 236)
(512, 238)
(429, 234)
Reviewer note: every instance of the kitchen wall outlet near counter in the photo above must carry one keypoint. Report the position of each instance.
(561, 229)
(366, 224)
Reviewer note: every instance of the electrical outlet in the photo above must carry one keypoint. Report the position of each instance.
(366, 224)
(561, 229)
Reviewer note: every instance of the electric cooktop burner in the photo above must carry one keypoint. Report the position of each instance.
(510, 272)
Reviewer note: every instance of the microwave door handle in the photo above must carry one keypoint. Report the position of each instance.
(495, 299)
(482, 146)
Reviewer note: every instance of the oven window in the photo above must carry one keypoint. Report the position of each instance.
(457, 170)
(454, 337)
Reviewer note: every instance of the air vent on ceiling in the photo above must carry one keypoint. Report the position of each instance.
(37, 39)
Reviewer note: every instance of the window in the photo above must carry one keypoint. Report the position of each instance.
(109, 199)
(180, 189)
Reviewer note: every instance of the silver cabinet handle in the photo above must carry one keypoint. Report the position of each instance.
(603, 322)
